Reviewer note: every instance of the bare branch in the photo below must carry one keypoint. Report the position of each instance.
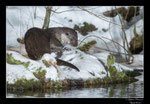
(98, 16)
(71, 10)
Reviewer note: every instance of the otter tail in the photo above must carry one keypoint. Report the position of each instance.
(61, 62)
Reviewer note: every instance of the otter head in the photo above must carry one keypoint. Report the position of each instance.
(69, 38)
(64, 35)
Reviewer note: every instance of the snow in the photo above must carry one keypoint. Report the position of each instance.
(15, 72)
(20, 19)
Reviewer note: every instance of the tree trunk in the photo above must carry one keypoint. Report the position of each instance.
(47, 17)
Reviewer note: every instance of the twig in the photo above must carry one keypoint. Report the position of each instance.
(96, 37)
(71, 10)
(105, 44)
(124, 36)
(112, 39)
(10, 23)
(35, 12)
(116, 43)
(106, 49)
(98, 16)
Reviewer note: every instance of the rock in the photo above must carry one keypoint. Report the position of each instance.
(136, 44)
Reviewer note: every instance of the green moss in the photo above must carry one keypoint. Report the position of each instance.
(76, 27)
(81, 56)
(110, 60)
(26, 64)
(11, 60)
(102, 72)
(122, 74)
(104, 30)
(70, 20)
(19, 40)
(85, 28)
(112, 71)
(87, 46)
(47, 63)
(24, 84)
(40, 74)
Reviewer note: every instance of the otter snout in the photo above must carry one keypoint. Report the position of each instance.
(74, 43)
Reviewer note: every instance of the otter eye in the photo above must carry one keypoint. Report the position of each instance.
(67, 34)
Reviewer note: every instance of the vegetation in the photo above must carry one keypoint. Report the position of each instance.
(47, 63)
(10, 60)
(21, 41)
(87, 46)
(136, 44)
(85, 28)
(42, 83)
(40, 74)
(114, 74)
(24, 84)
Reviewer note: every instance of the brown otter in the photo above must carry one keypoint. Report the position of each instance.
(39, 41)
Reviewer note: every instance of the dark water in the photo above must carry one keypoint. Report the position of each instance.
(133, 90)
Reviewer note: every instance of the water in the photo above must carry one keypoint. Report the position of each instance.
(133, 90)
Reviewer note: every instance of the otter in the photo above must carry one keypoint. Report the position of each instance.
(39, 41)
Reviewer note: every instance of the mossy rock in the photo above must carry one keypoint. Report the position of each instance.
(136, 44)
(133, 73)
(85, 28)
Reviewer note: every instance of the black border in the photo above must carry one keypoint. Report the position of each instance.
(59, 3)
(74, 2)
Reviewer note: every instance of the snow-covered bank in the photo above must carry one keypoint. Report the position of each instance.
(90, 67)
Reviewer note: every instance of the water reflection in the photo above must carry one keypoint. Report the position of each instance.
(135, 89)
